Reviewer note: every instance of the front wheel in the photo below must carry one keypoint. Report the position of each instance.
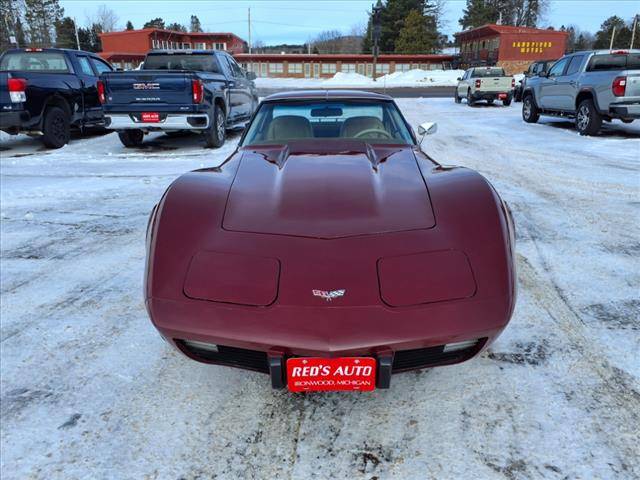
(507, 101)
(215, 135)
(456, 97)
(131, 138)
(530, 112)
(588, 120)
(55, 128)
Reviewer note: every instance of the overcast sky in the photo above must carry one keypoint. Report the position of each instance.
(295, 21)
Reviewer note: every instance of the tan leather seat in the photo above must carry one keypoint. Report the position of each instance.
(288, 127)
(354, 125)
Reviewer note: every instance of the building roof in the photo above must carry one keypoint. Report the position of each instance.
(493, 29)
(171, 32)
(339, 56)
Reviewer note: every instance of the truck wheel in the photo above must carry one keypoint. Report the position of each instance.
(530, 112)
(470, 100)
(215, 135)
(588, 120)
(507, 101)
(518, 96)
(131, 138)
(55, 128)
(456, 97)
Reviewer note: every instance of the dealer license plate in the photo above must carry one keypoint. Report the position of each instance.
(331, 374)
(150, 117)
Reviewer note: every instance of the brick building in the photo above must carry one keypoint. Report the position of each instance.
(126, 49)
(512, 48)
(327, 65)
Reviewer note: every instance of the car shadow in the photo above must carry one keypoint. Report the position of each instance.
(179, 140)
(608, 130)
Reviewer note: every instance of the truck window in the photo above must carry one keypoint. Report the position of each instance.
(199, 63)
(35, 61)
(558, 67)
(101, 66)
(85, 66)
(574, 64)
(487, 72)
(614, 61)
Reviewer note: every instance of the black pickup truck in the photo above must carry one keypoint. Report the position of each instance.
(46, 92)
(204, 91)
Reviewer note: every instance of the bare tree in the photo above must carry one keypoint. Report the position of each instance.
(334, 41)
(105, 17)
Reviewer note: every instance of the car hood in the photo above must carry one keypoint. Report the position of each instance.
(326, 189)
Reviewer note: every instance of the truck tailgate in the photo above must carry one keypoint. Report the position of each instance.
(148, 86)
(633, 84)
(495, 84)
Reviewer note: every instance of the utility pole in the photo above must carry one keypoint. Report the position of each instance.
(249, 25)
(633, 31)
(613, 35)
(375, 23)
(75, 27)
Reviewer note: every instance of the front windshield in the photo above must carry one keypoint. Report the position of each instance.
(370, 121)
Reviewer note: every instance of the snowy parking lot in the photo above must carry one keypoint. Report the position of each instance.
(90, 391)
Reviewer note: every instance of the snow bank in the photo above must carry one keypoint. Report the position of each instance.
(412, 78)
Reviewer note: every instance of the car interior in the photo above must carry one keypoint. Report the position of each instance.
(327, 122)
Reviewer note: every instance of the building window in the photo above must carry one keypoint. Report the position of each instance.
(155, 43)
(328, 68)
(349, 67)
(369, 70)
(382, 68)
(295, 68)
(220, 46)
(263, 69)
(275, 68)
(186, 45)
(201, 46)
(403, 67)
(361, 68)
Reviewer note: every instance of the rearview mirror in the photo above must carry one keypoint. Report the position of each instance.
(251, 75)
(459, 78)
(427, 128)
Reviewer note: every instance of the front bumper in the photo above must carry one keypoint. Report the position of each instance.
(171, 121)
(13, 121)
(408, 339)
(625, 110)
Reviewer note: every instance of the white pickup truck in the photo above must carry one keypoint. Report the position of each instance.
(485, 83)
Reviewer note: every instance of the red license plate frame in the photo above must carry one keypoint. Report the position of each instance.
(315, 374)
(150, 117)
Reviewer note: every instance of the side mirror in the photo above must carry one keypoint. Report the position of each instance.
(543, 74)
(459, 78)
(251, 75)
(427, 128)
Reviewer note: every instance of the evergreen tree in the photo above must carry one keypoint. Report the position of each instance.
(176, 27)
(129, 25)
(66, 33)
(416, 36)
(90, 38)
(41, 17)
(622, 37)
(392, 18)
(195, 24)
(478, 13)
(155, 23)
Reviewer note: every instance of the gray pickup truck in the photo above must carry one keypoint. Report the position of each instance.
(591, 87)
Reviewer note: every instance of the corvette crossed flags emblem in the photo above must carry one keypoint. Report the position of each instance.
(328, 295)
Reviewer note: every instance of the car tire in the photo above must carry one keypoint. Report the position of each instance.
(131, 138)
(215, 135)
(588, 120)
(626, 120)
(456, 97)
(530, 112)
(507, 101)
(518, 96)
(55, 128)
(470, 100)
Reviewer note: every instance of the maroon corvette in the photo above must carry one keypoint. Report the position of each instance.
(329, 251)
